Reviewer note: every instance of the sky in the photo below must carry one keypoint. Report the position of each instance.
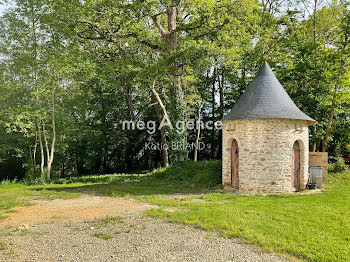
(3, 6)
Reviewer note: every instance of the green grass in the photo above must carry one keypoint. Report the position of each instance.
(189, 178)
(312, 227)
(103, 236)
(112, 220)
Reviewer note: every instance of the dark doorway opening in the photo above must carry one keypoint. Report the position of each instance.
(234, 164)
(296, 166)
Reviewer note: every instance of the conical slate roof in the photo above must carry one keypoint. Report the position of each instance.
(266, 98)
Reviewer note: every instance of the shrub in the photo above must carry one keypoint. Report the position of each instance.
(34, 178)
(338, 166)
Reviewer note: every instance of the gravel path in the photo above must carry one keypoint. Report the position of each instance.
(129, 237)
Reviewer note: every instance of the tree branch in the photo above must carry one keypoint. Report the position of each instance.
(111, 37)
(156, 21)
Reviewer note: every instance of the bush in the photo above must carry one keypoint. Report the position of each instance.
(34, 178)
(338, 166)
(8, 184)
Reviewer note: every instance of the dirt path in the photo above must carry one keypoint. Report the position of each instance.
(77, 230)
(85, 208)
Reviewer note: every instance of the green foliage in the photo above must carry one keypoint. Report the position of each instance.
(338, 166)
(79, 68)
(34, 177)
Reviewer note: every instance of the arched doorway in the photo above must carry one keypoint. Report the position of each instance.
(296, 166)
(234, 164)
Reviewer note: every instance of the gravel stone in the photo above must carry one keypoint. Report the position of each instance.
(134, 238)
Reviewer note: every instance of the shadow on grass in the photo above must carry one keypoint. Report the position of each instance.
(189, 177)
(129, 186)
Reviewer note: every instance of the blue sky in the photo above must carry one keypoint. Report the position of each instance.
(3, 7)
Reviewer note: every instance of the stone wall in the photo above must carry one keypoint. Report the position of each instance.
(320, 159)
(265, 150)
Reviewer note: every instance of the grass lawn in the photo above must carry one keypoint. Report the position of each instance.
(312, 227)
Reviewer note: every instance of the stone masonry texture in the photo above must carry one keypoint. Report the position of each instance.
(265, 153)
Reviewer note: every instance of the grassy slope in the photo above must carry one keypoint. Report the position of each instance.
(190, 178)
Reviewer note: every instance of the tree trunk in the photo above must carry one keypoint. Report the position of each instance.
(331, 113)
(31, 157)
(177, 104)
(129, 100)
(42, 163)
(36, 88)
(53, 142)
(314, 24)
(221, 93)
(50, 152)
(213, 114)
(221, 107)
(335, 93)
(161, 112)
(47, 150)
(314, 140)
(195, 157)
(104, 139)
(34, 150)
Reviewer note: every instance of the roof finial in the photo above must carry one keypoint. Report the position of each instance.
(265, 69)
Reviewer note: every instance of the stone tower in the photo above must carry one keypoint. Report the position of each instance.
(265, 139)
